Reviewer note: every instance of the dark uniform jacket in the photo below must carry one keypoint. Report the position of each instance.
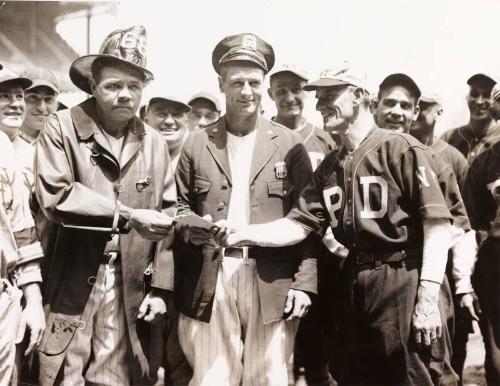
(203, 178)
(78, 180)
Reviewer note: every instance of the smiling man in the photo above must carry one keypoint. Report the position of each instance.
(481, 132)
(105, 186)
(168, 115)
(378, 195)
(241, 305)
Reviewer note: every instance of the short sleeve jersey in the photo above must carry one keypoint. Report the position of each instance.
(376, 197)
(482, 191)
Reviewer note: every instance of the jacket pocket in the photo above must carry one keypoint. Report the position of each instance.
(201, 185)
(280, 188)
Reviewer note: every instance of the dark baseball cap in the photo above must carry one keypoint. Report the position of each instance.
(246, 47)
(170, 99)
(207, 96)
(41, 77)
(400, 79)
(482, 77)
(8, 76)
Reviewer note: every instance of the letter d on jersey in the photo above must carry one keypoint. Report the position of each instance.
(367, 211)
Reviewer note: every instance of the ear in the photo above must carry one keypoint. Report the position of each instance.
(92, 85)
(439, 112)
(359, 94)
(374, 106)
(416, 112)
(270, 93)
(221, 82)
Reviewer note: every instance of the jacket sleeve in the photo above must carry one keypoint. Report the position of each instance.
(305, 279)
(61, 198)
(163, 264)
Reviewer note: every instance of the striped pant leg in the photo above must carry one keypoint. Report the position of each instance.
(214, 350)
(109, 364)
(10, 314)
(268, 347)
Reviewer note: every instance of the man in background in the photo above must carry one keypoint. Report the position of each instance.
(205, 110)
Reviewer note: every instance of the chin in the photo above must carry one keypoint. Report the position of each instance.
(12, 123)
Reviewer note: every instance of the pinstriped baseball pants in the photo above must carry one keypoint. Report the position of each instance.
(103, 335)
(236, 347)
(10, 314)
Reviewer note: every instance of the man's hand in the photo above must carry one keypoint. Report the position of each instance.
(427, 324)
(32, 317)
(152, 308)
(150, 224)
(470, 303)
(297, 304)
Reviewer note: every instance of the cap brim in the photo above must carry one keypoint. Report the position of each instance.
(208, 99)
(246, 58)
(324, 82)
(45, 83)
(80, 70)
(24, 82)
(184, 106)
(428, 100)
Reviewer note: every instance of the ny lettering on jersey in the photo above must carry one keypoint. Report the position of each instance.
(377, 196)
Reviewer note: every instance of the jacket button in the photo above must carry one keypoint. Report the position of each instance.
(91, 280)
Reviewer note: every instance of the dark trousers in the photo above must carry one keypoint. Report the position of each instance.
(374, 342)
(313, 341)
(486, 282)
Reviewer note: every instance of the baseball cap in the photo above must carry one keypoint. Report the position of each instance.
(346, 73)
(207, 96)
(9, 76)
(41, 77)
(127, 46)
(482, 77)
(400, 79)
(291, 69)
(430, 98)
(172, 100)
(243, 47)
(495, 93)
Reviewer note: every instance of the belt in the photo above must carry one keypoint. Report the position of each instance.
(110, 257)
(239, 252)
(376, 259)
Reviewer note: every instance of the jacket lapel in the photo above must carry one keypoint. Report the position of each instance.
(133, 141)
(264, 148)
(217, 146)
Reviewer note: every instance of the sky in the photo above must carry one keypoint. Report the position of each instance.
(440, 43)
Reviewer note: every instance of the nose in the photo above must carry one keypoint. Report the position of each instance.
(41, 107)
(15, 102)
(396, 110)
(124, 94)
(169, 121)
(289, 97)
(246, 90)
(320, 105)
(203, 122)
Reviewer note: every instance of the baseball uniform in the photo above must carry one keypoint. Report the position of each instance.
(482, 198)
(376, 199)
(464, 139)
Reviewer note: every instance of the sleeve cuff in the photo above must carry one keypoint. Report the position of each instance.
(27, 273)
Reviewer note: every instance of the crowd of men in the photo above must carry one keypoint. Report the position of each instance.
(236, 250)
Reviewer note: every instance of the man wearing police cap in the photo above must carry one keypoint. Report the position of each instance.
(106, 190)
(240, 305)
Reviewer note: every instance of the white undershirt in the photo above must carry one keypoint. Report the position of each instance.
(240, 152)
(116, 147)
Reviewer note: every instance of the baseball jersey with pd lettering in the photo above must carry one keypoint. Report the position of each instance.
(482, 191)
(377, 197)
(317, 142)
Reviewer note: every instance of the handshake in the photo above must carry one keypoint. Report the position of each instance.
(150, 224)
(202, 231)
